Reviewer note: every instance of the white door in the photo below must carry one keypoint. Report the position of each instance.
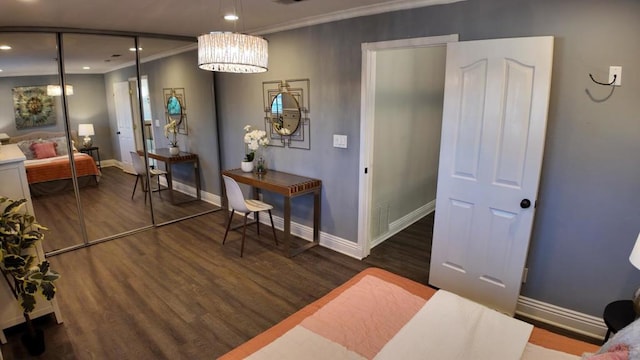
(494, 123)
(124, 119)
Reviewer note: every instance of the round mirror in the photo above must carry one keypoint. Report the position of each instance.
(174, 109)
(285, 114)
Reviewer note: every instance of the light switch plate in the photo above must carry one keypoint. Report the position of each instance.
(157, 123)
(615, 70)
(340, 141)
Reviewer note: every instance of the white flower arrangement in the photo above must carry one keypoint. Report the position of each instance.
(254, 139)
(171, 128)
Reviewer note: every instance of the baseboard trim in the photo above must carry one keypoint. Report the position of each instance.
(404, 222)
(574, 321)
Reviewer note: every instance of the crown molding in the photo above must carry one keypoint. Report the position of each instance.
(351, 13)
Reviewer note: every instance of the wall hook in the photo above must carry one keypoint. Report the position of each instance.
(601, 83)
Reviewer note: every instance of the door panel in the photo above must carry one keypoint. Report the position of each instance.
(494, 124)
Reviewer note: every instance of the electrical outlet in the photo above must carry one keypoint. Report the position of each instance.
(157, 123)
(617, 71)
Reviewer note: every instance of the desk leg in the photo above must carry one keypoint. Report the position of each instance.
(316, 217)
(287, 226)
(169, 181)
(197, 173)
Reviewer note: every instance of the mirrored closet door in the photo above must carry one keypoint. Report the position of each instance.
(111, 128)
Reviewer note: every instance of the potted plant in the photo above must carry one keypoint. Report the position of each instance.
(25, 274)
(172, 129)
(253, 140)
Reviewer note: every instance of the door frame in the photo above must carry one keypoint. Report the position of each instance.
(367, 120)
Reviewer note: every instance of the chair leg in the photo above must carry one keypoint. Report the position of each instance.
(257, 217)
(244, 231)
(159, 190)
(273, 228)
(135, 185)
(228, 226)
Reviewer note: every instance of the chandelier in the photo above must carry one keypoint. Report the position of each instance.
(232, 52)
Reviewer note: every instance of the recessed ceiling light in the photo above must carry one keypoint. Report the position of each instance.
(86, 68)
(231, 17)
(0, 70)
(134, 49)
(5, 47)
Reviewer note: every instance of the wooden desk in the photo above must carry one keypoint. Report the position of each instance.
(163, 155)
(289, 186)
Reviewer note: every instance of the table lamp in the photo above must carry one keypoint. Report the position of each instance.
(634, 258)
(86, 130)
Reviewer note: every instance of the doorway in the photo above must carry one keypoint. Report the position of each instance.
(402, 93)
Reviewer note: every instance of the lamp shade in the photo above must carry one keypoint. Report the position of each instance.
(232, 52)
(634, 258)
(85, 130)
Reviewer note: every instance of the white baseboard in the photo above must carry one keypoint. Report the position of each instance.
(563, 318)
(404, 222)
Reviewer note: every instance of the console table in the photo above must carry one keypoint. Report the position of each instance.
(163, 155)
(289, 186)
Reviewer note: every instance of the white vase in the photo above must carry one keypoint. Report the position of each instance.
(174, 150)
(247, 166)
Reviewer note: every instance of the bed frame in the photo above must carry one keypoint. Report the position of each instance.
(40, 188)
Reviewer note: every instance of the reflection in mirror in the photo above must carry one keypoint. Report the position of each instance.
(177, 90)
(285, 114)
(100, 68)
(29, 81)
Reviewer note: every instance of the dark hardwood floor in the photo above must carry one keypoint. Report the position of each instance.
(176, 292)
(108, 209)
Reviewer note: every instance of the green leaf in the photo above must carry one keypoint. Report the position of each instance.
(14, 262)
(28, 302)
(31, 287)
(48, 290)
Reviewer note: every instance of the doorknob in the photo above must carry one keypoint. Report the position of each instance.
(525, 203)
(118, 133)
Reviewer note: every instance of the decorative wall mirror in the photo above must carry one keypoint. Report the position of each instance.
(286, 113)
(175, 106)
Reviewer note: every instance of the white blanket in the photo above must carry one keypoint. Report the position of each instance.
(451, 327)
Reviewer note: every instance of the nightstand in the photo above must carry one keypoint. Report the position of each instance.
(617, 315)
(90, 151)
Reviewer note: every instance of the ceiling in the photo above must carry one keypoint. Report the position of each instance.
(187, 18)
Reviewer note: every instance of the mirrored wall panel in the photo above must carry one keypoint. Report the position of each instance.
(32, 116)
(110, 149)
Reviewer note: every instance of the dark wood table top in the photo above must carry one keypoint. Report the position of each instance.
(276, 181)
(164, 155)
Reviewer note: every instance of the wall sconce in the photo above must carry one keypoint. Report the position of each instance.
(56, 90)
(86, 130)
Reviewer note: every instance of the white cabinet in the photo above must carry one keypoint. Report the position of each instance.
(13, 184)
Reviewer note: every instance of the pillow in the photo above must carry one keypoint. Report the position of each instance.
(44, 150)
(617, 352)
(627, 338)
(61, 145)
(25, 146)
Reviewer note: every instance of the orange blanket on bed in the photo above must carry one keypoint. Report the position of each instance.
(538, 336)
(59, 168)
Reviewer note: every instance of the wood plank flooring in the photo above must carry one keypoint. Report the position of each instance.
(176, 292)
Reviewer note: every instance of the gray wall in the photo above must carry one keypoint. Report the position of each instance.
(86, 105)
(408, 119)
(179, 71)
(587, 215)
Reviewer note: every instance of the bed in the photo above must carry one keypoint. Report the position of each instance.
(47, 165)
(380, 315)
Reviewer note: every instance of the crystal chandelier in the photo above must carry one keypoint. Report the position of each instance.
(232, 52)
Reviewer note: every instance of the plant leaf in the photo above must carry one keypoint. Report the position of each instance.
(48, 290)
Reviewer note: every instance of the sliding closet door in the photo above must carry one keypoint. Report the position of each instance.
(103, 126)
(175, 89)
(31, 113)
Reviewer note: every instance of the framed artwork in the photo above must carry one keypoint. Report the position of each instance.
(33, 107)
(176, 108)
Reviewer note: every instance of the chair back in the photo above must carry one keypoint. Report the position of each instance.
(138, 163)
(234, 194)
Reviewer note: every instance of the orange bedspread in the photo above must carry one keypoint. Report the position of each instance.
(538, 336)
(59, 168)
